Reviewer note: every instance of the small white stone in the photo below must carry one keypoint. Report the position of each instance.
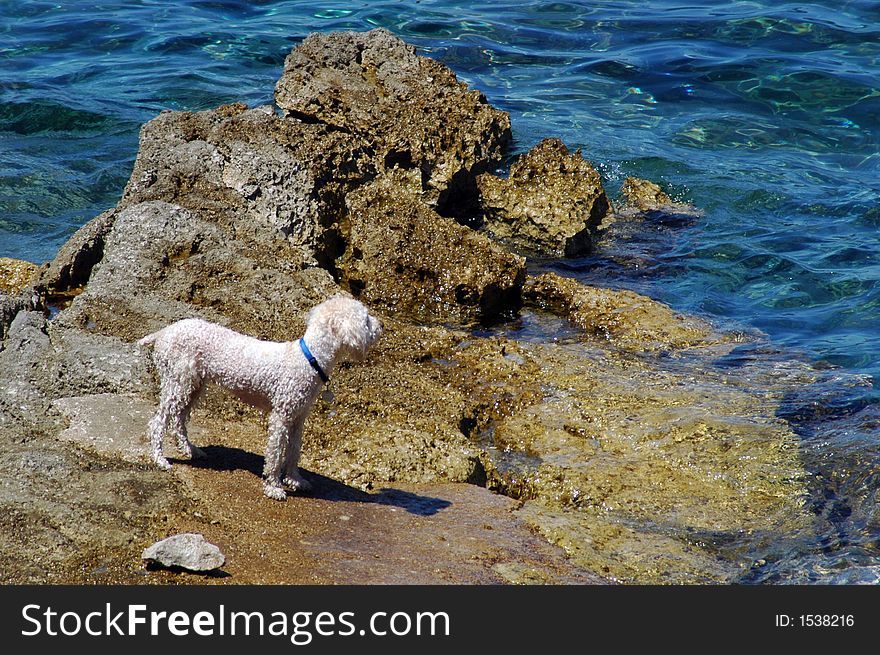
(188, 551)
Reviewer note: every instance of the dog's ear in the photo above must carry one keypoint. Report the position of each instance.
(350, 325)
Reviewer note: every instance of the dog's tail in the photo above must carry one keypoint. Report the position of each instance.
(148, 340)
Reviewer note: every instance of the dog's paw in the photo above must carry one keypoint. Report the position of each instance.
(197, 453)
(297, 483)
(274, 492)
(163, 463)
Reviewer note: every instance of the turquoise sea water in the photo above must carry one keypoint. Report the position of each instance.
(764, 114)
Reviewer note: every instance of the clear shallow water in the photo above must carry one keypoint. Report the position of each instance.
(764, 114)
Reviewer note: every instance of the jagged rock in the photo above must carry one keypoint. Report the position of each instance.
(10, 306)
(407, 259)
(252, 173)
(412, 110)
(161, 263)
(69, 271)
(188, 551)
(551, 204)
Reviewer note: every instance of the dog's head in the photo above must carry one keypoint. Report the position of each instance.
(349, 324)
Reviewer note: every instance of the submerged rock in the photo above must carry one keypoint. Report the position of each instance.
(552, 203)
(626, 318)
(414, 113)
(645, 196)
(186, 551)
(638, 470)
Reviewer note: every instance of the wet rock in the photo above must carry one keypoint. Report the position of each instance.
(552, 203)
(187, 551)
(15, 275)
(69, 271)
(415, 114)
(626, 318)
(408, 260)
(645, 196)
(642, 471)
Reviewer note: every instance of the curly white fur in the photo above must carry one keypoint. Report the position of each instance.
(274, 377)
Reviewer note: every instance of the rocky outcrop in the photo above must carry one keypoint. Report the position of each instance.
(551, 204)
(404, 257)
(162, 262)
(412, 111)
(618, 447)
(253, 174)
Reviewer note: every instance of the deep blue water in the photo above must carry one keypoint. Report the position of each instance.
(764, 114)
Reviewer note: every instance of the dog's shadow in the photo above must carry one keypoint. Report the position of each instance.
(223, 458)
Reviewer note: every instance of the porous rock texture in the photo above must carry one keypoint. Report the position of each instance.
(643, 196)
(439, 270)
(552, 203)
(15, 275)
(413, 112)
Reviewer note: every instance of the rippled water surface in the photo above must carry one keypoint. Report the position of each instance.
(765, 114)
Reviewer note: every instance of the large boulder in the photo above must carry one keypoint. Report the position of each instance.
(406, 259)
(413, 111)
(161, 262)
(552, 203)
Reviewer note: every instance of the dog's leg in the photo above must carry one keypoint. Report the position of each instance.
(179, 389)
(157, 432)
(160, 422)
(178, 421)
(279, 435)
(292, 477)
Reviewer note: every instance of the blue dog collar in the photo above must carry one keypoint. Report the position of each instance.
(313, 361)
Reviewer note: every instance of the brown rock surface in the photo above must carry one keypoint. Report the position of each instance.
(15, 275)
(412, 110)
(626, 318)
(645, 196)
(552, 203)
(405, 258)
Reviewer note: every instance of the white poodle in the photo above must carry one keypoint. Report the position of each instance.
(282, 379)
